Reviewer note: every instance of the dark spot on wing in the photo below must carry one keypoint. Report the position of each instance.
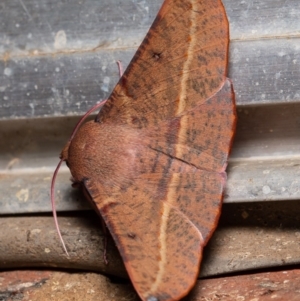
(131, 235)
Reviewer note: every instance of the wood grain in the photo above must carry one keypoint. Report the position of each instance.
(40, 80)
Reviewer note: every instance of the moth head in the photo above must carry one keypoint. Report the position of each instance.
(82, 152)
(64, 155)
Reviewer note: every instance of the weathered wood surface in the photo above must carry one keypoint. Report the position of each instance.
(58, 57)
(63, 286)
(250, 236)
(264, 163)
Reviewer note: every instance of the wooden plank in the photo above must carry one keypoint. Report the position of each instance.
(264, 163)
(59, 58)
(265, 71)
(262, 72)
(256, 20)
(279, 285)
(249, 236)
(48, 27)
(64, 286)
(33, 28)
(54, 285)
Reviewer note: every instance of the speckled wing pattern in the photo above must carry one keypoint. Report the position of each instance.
(175, 115)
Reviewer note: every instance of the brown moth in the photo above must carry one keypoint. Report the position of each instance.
(153, 161)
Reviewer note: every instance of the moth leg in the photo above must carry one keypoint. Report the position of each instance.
(120, 67)
(105, 241)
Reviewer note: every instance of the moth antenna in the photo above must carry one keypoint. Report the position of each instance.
(79, 123)
(96, 106)
(82, 119)
(53, 205)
